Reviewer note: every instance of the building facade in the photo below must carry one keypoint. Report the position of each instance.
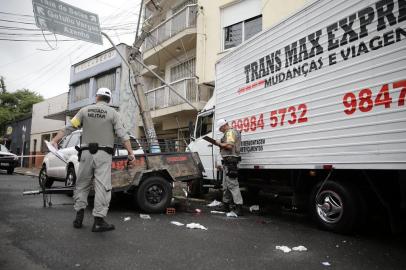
(187, 38)
(17, 138)
(105, 69)
(48, 117)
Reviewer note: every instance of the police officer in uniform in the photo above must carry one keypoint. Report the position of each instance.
(100, 124)
(230, 153)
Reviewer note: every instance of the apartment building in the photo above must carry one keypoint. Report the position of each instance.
(186, 40)
(105, 69)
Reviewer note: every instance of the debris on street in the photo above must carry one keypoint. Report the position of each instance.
(177, 223)
(217, 212)
(145, 216)
(231, 214)
(214, 203)
(299, 248)
(326, 263)
(196, 226)
(198, 210)
(127, 218)
(254, 208)
(284, 249)
(170, 211)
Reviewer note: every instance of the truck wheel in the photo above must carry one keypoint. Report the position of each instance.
(10, 170)
(43, 179)
(337, 207)
(154, 194)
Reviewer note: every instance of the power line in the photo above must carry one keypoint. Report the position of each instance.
(16, 14)
(12, 21)
(35, 40)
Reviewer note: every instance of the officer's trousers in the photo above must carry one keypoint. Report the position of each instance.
(94, 168)
(231, 189)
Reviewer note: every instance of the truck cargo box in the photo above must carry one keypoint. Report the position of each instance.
(325, 86)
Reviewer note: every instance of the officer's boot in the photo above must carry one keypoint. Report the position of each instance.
(77, 223)
(238, 210)
(100, 225)
(224, 207)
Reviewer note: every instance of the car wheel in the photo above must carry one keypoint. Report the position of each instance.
(337, 206)
(70, 177)
(10, 170)
(154, 195)
(44, 180)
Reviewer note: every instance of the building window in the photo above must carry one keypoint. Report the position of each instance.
(237, 33)
(107, 80)
(80, 91)
(45, 137)
(240, 21)
(186, 69)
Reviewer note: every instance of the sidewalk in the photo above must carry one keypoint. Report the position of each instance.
(27, 171)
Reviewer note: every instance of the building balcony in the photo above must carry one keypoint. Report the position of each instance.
(162, 101)
(176, 32)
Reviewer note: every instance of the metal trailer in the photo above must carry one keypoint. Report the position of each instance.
(320, 101)
(150, 181)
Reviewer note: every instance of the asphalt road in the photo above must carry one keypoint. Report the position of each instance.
(33, 237)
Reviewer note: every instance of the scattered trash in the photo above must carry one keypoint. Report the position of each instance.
(231, 214)
(144, 216)
(196, 226)
(299, 248)
(170, 211)
(184, 191)
(344, 241)
(326, 263)
(127, 218)
(254, 208)
(198, 210)
(284, 248)
(214, 203)
(77, 265)
(337, 246)
(177, 223)
(217, 212)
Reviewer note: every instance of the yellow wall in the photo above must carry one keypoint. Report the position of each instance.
(208, 47)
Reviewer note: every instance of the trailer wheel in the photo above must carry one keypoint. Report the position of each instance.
(154, 194)
(43, 179)
(336, 207)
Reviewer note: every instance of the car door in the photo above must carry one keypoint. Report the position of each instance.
(67, 152)
(53, 162)
(204, 127)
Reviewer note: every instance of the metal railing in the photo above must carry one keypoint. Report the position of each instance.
(163, 97)
(181, 20)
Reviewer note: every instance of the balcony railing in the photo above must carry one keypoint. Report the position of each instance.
(163, 97)
(181, 20)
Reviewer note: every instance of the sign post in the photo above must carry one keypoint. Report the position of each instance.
(63, 19)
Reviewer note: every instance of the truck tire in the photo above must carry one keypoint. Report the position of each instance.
(10, 170)
(43, 179)
(338, 207)
(154, 195)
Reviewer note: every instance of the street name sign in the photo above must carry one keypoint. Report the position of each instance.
(61, 18)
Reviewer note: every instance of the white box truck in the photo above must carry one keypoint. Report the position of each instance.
(320, 102)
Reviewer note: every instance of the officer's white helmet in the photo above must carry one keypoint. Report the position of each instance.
(220, 123)
(104, 92)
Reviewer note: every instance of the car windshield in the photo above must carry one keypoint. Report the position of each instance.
(3, 148)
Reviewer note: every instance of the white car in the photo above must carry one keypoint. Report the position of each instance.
(54, 169)
(8, 161)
